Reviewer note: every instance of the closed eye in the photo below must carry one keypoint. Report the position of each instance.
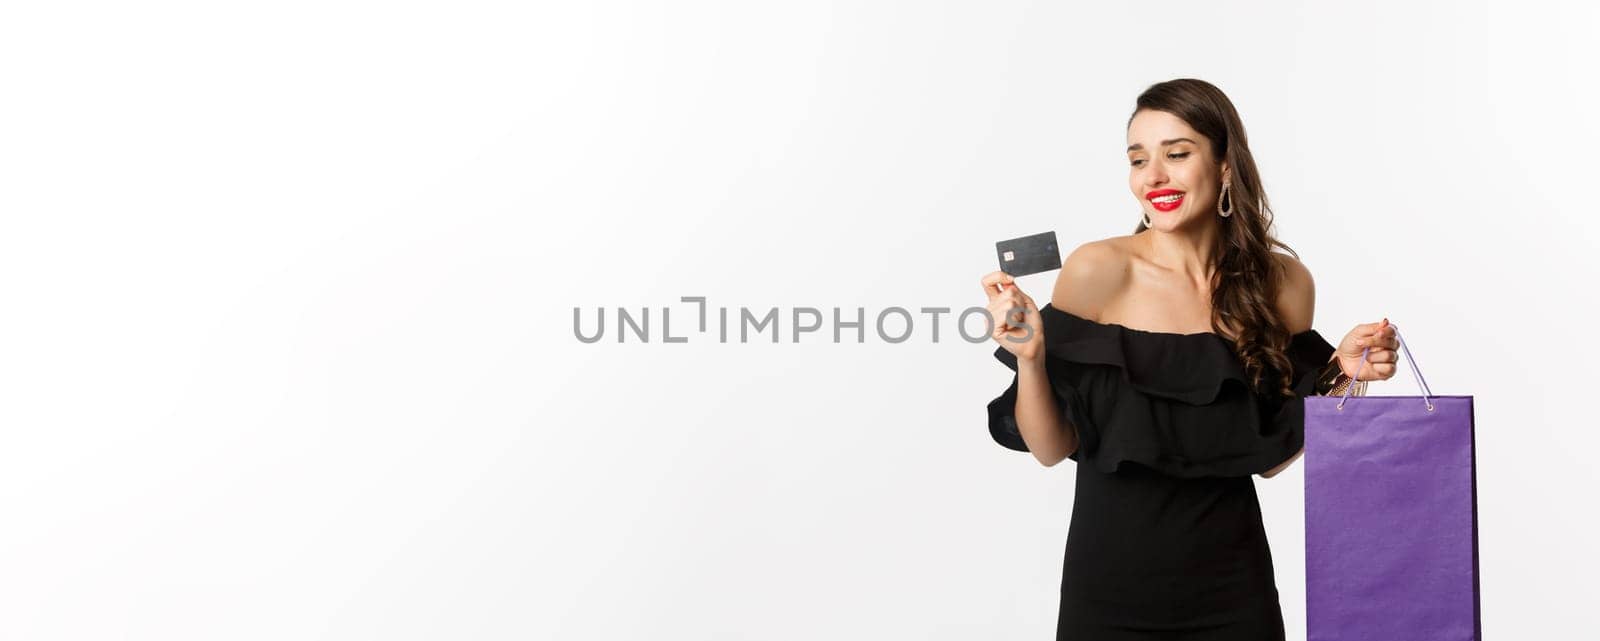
(1174, 156)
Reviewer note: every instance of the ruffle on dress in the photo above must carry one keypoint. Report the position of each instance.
(1178, 403)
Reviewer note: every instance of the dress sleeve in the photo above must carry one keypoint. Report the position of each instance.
(1068, 381)
(1308, 352)
(1181, 404)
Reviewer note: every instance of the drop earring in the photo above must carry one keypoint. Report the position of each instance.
(1146, 216)
(1220, 198)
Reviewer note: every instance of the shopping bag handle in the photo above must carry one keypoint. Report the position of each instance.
(1410, 361)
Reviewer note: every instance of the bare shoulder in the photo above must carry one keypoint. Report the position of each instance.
(1297, 294)
(1091, 276)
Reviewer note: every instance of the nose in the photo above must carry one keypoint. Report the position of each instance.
(1155, 175)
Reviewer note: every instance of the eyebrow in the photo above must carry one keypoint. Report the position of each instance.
(1164, 143)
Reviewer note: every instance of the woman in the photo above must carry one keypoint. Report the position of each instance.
(1170, 364)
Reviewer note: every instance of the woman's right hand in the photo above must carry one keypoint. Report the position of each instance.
(1018, 327)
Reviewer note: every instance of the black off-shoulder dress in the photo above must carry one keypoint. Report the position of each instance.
(1166, 539)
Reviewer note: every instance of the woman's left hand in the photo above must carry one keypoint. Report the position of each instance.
(1382, 359)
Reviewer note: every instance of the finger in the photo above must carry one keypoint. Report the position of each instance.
(1013, 326)
(1384, 333)
(1375, 371)
(1379, 329)
(1379, 338)
(1008, 312)
(998, 312)
(1027, 301)
(1377, 343)
(996, 282)
(1021, 309)
(1012, 296)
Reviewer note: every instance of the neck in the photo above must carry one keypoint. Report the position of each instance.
(1188, 250)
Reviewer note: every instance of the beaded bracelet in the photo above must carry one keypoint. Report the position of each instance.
(1332, 381)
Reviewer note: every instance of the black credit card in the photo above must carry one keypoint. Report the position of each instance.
(1029, 254)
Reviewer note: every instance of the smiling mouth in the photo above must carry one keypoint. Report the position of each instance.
(1168, 202)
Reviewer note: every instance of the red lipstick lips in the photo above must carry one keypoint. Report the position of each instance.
(1165, 204)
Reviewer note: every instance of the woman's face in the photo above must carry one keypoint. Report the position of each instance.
(1166, 160)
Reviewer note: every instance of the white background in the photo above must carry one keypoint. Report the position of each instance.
(288, 287)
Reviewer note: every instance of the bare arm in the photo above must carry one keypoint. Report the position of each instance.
(1285, 465)
(1087, 275)
(1049, 435)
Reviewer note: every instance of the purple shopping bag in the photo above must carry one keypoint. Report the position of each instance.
(1391, 517)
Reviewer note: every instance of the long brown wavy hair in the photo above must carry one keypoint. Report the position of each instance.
(1245, 283)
